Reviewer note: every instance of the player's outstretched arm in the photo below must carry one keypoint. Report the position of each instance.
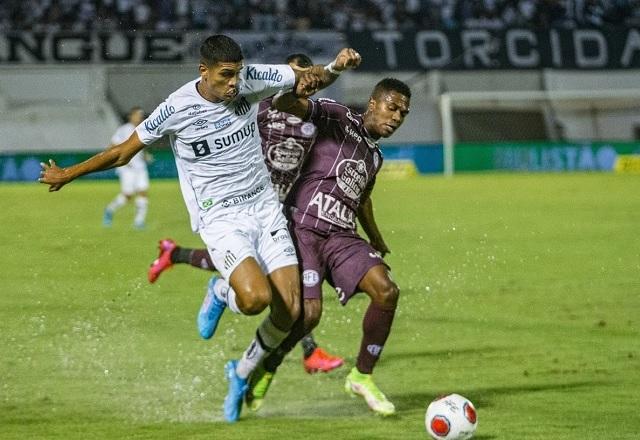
(115, 156)
(347, 58)
(368, 223)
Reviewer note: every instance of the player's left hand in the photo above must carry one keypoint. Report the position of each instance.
(381, 247)
(347, 58)
(53, 175)
(307, 85)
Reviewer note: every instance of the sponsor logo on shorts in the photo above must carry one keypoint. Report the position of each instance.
(290, 251)
(341, 294)
(243, 197)
(374, 349)
(229, 259)
(280, 235)
(207, 203)
(376, 255)
(310, 278)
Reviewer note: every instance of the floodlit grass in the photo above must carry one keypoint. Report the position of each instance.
(520, 292)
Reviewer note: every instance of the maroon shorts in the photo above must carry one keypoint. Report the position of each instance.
(341, 257)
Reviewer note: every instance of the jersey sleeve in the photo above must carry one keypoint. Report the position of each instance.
(160, 122)
(324, 111)
(264, 80)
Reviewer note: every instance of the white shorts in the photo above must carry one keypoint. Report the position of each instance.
(258, 230)
(133, 181)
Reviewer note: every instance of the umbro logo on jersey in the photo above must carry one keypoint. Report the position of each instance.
(200, 122)
(242, 106)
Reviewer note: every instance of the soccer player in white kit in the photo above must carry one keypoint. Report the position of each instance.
(134, 177)
(211, 124)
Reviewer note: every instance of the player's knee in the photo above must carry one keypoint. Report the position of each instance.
(253, 302)
(388, 293)
(312, 315)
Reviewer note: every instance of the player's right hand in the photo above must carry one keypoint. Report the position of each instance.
(347, 58)
(52, 175)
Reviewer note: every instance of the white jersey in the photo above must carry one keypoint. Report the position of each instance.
(123, 132)
(217, 144)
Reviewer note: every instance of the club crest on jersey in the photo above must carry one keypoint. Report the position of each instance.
(242, 106)
(352, 177)
(286, 155)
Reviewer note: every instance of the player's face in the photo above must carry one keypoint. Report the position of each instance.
(219, 82)
(386, 113)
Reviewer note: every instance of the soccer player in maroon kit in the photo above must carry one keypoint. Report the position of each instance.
(334, 188)
(286, 141)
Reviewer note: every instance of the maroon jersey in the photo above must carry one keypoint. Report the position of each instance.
(286, 141)
(340, 168)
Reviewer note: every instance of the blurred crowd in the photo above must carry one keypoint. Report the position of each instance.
(338, 15)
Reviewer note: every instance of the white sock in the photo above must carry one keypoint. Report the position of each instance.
(225, 292)
(268, 337)
(142, 204)
(117, 203)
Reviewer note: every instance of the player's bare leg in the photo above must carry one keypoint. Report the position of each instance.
(285, 309)
(376, 326)
(142, 205)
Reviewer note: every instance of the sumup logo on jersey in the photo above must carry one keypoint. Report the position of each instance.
(285, 156)
(352, 177)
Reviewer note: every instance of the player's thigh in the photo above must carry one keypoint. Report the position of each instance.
(253, 293)
(309, 245)
(230, 239)
(350, 258)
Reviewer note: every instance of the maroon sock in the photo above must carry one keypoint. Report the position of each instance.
(196, 257)
(200, 258)
(376, 327)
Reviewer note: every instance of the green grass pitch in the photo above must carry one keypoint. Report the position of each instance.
(521, 292)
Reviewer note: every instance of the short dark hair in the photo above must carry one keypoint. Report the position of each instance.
(391, 84)
(300, 59)
(218, 48)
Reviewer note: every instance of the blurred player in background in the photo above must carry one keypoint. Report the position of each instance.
(333, 189)
(286, 141)
(212, 126)
(134, 177)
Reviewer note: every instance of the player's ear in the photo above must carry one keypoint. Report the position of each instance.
(372, 104)
(203, 69)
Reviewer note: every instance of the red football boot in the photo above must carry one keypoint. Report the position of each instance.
(163, 262)
(320, 360)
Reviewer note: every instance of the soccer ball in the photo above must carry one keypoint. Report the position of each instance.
(451, 417)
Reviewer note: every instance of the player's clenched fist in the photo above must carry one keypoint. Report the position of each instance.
(307, 85)
(347, 58)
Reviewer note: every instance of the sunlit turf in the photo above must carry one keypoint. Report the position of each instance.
(520, 292)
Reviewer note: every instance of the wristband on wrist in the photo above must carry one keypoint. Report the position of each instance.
(331, 68)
